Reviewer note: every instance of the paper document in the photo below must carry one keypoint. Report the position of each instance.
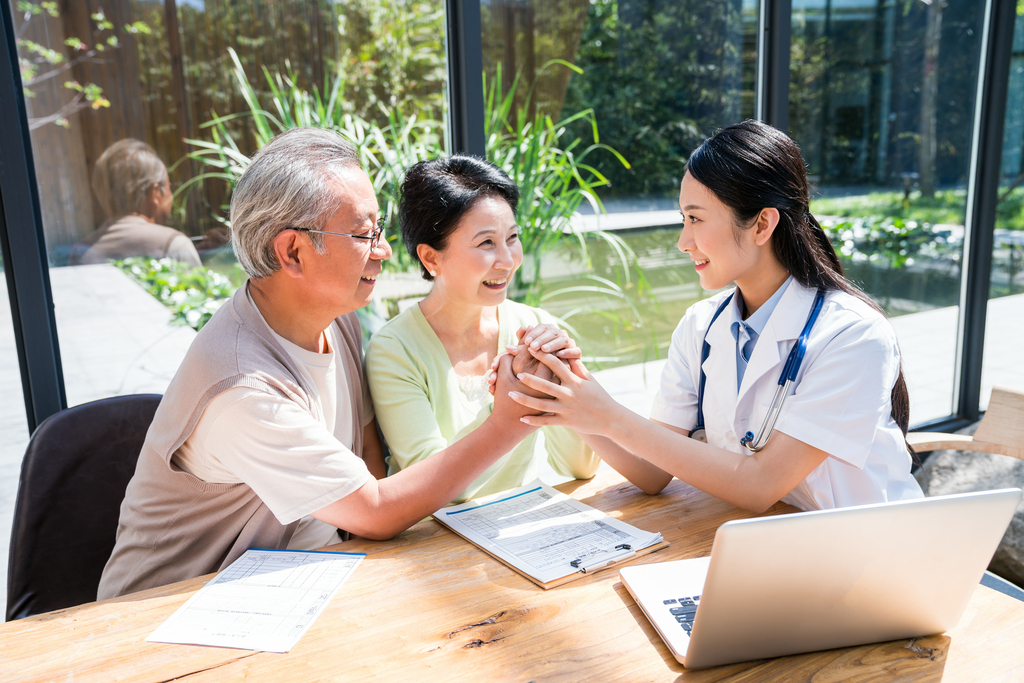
(544, 533)
(265, 600)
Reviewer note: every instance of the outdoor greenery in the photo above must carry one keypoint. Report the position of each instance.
(550, 166)
(40, 63)
(891, 242)
(661, 77)
(193, 295)
(946, 207)
(658, 77)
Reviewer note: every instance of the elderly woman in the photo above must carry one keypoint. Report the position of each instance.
(427, 368)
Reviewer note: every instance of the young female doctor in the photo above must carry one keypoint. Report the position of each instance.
(838, 437)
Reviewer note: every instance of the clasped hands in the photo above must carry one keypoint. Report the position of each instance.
(550, 379)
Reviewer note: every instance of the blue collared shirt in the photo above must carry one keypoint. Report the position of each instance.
(746, 332)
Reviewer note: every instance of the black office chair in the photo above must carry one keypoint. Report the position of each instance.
(76, 468)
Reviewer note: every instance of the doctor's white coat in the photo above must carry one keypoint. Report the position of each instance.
(841, 402)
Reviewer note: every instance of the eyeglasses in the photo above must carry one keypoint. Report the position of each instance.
(374, 236)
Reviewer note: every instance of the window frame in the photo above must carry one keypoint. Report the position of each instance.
(27, 270)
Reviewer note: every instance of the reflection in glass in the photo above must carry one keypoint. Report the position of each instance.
(13, 425)
(1001, 363)
(131, 184)
(133, 100)
(881, 101)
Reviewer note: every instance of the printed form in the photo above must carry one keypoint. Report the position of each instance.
(265, 600)
(544, 533)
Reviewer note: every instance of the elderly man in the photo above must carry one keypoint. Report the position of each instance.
(132, 186)
(265, 437)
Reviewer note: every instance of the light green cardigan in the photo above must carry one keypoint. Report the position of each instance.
(422, 409)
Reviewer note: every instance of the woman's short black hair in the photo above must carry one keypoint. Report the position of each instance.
(436, 193)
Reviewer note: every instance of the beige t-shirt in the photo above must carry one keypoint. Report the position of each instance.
(295, 463)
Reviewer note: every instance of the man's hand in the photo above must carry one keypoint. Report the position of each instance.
(507, 413)
(524, 362)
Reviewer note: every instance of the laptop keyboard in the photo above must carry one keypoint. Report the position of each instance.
(683, 609)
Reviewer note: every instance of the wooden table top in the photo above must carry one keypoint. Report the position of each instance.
(428, 606)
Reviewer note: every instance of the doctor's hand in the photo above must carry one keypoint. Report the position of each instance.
(578, 402)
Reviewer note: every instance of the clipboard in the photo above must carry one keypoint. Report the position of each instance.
(547, 536)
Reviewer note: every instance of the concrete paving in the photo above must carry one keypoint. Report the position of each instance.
(116, 339)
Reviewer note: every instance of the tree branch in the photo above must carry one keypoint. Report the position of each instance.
(1011, 188)
(72, 107)
(62, 68)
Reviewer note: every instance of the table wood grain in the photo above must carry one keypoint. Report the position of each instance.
(429, 606)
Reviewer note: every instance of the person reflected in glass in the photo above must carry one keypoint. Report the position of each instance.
(839, 439)
(132, 186)
(428, 367)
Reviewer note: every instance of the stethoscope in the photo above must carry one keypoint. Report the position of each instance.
(789, 373)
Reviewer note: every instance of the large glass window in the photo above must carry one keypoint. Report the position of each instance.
(143, 115)
(13, 426)
(1002, 364)
(882, 96)
(639, 85)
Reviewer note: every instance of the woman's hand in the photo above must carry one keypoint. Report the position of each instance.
(579, 402)
(545, 337)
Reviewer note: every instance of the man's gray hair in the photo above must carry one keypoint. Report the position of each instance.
(288, 184)
(123, 175)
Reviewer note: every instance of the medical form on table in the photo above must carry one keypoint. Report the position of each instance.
(265, 600)
(545, 534)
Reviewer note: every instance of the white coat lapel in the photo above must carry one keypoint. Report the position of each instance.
(773, 346)
(720, 367)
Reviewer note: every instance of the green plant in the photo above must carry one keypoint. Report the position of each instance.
(889, 240)
(889, 247)
(553, 177)
(946, 207)
(385, 151)
(193, 295)
(39, 63)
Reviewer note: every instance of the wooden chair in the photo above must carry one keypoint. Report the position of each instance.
(76, 468)
(1001, 430)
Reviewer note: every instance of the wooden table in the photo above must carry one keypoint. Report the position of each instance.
(429, 606)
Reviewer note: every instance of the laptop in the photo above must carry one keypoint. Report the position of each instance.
(824, 579)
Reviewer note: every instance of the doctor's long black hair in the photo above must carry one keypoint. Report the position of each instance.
(750, 166)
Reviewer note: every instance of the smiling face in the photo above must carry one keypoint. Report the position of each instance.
(721, 251)
(481, 255)
(347, 272)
